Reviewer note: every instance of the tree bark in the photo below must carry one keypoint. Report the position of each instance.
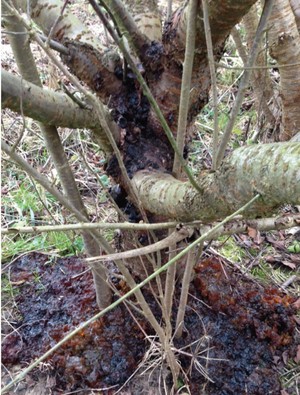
(147, 18)
(273, 170)
(285, 48)
(296, 10)
(53, 108)
(260, 79)
(91, 59)
(43, 105)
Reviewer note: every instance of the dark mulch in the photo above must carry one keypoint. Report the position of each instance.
(236, 335)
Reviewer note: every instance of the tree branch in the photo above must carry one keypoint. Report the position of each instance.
(223, 15)
(44, 105)
(213, 77)
(128, 26)
(236, 226)
(248, 170)
(185, 85)
(173, 238)
(133, 291)
(84, 47)
(97, 236)
(47, 13)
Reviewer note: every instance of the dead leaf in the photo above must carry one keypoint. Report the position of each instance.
(279, 244)
(281, 234)
(285, 357)
(245, 241)
(297, 304)
(289, 264)
(252, 232)
(18, 282)
(270, 239)
(273, 258)
(295, 258)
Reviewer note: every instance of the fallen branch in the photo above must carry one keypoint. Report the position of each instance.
(236, 226)
(173, 238)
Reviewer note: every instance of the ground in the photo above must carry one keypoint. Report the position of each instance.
(238, 333)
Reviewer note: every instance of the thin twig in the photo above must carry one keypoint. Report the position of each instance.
(173, 238)
(42, 201)
(191, 260)
(110, 198)
(54, 45)
(170, 282)
(124, 20)
(235, 227)
(96, 235)
(274, 66)
(99, 108)
(58, 19)
(130, 187)
(289, 281)
(239, 44)
(49, 188)
(33, 34)
(211, 62)
(245, 79)
(185, 84)
(169, 10)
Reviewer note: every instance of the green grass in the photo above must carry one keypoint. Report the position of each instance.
(61, 243)
(28, 204)
(262, 272)
(8, 290)
(230, 250)
(25, 205)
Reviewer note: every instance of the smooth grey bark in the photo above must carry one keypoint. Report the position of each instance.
(273, 170)
(45, 13)
(43, 105)
(52, 108)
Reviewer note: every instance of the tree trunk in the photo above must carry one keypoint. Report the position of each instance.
(285, 48)
(296, 10)
(271, 170)
(262, 84)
